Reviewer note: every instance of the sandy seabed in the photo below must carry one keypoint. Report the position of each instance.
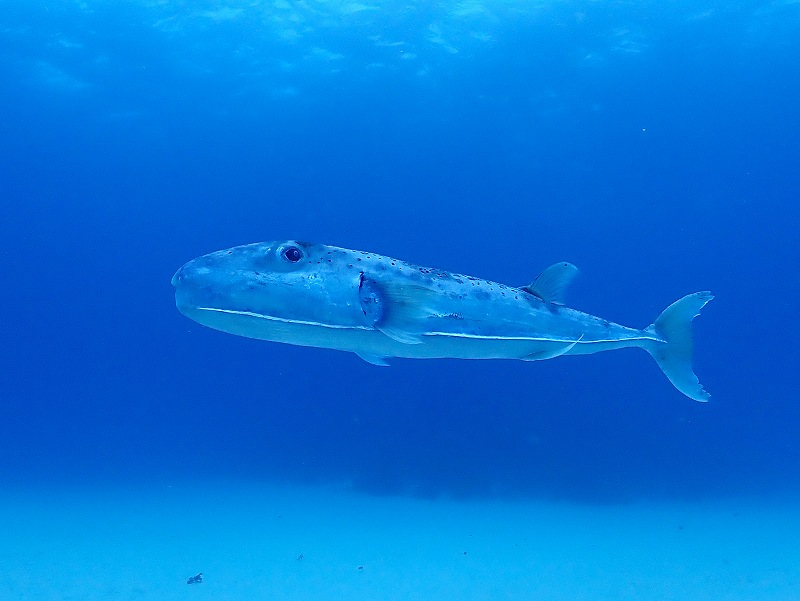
(269, 542)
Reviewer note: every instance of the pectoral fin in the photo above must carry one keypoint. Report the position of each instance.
(398, 310)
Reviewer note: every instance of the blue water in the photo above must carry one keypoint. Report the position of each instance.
(652, 144)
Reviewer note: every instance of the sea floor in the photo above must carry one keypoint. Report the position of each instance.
(264, 542)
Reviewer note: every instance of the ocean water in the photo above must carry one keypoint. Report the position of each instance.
(652, 144)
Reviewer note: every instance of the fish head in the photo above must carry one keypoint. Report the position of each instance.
(262, 290)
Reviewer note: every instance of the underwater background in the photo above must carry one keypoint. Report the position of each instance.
(653, 144)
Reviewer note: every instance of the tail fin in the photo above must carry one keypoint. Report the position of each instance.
(674, 358)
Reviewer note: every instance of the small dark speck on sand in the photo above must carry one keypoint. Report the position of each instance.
(195, 579)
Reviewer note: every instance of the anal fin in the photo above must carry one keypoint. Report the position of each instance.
(398, 334)
(553, 350)
(374, 359)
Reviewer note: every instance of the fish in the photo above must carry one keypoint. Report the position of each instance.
(377, 307)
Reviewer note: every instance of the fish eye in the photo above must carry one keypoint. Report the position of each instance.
(292, 254)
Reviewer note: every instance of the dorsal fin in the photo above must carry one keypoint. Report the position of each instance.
(552, 283)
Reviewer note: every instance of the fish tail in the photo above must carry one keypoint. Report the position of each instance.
(674, 355)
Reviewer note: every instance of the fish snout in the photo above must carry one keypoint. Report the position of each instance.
(186, 289)
(176, 279)
(199, 284)
(192, 273)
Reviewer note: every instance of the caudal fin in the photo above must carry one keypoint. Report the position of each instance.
(674, 325)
